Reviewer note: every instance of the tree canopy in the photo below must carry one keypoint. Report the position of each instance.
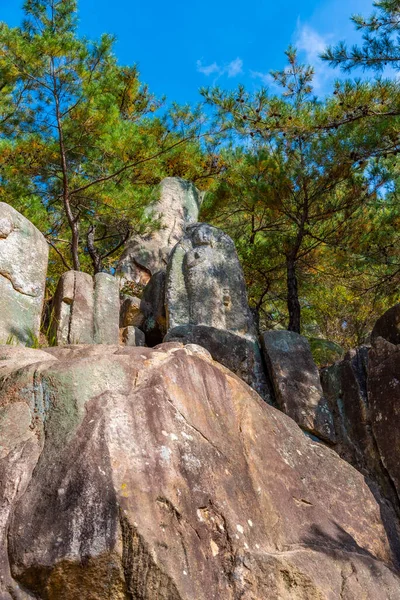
(307, 187)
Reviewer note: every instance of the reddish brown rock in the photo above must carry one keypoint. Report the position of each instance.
(296, 383)
(162, 475)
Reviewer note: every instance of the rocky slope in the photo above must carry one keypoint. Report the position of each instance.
(158, 474)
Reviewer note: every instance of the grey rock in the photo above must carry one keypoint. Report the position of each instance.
(296, 383)
(72, 314)
(85, 310)
(240, 355)
(205, 283)
(388, 326)
(106, 309)
(177, 205)
(132, 336)
(23, 269)
(384, 400)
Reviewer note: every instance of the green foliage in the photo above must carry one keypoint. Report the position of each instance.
(381, 41)
(83, 148)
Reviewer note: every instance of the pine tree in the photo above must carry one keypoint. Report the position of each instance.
(86, 148)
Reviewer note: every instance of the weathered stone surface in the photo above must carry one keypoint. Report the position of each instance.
(130, 314)
(85, 311)
(344, 385)
(132, 336)
(106, 309)
(384, 401)
(152, 307)
(162, 476)
(21, 441)
(23, 268)
(296, 383)
(238, 354)
(205, 283)
(177, 206)
(72, 318)
(388, 326)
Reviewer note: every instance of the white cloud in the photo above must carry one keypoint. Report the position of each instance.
(207, 69)
(235, 67)
(232, 69)
(266, 78)
(311, 44)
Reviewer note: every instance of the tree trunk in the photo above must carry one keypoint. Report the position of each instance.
(94, 254)
(293, 303)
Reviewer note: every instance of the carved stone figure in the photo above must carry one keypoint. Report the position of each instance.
(205, 283)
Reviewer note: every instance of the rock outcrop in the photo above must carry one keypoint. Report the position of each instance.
(388, 326)
(206, 303)
(296, 382)
(345, 387)
(23, 268)
(177, 206)
(205, 283)
(384, 402)
(239, 354)
(157, 474)
(85, 310)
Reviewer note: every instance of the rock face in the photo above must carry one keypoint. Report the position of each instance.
(296, 382)
(157, 474)
(384, 399)
(345, 387)
(240, 355)
(85, 310)
(23, 268)
(388, 326)
(130, 314)
(177, 206)
(205, 283)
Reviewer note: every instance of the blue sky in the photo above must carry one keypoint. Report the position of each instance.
(183, 45)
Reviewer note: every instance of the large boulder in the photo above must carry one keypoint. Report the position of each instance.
(388, 326)
(296, 382)
(239, 354)
(158, 474)
(177, 205)
(205, 283)
(85, 310)
(344, 385)
(23, 269)
(384, 401)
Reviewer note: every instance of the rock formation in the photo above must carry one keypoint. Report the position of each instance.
(157, 474)
(240, 355)
(205, 283)
(85, 310)
(384, 402)
(177, 206)
(296, 382)
(23, 268)
(206, 303)
(388, 326)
